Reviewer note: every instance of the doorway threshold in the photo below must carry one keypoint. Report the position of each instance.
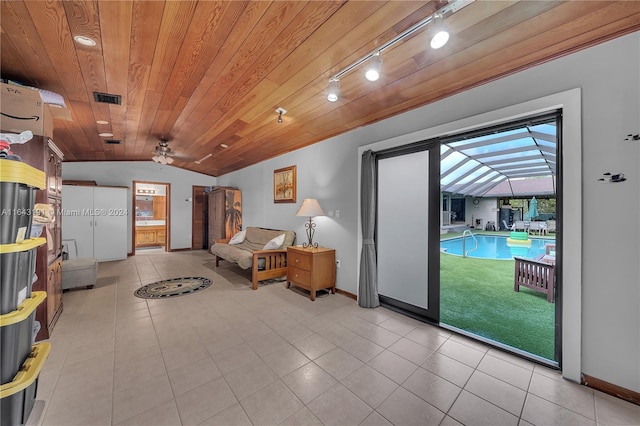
(505, 348)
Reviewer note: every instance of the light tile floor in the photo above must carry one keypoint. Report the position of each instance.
(232, 356)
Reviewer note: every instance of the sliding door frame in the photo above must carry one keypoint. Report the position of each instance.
(432, 312)
(570, 101)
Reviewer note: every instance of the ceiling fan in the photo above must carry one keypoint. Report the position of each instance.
(162, 153)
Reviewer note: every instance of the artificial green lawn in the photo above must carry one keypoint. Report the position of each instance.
(477, 295)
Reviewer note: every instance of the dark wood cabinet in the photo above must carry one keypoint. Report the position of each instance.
(225, 214)
(41, 153)
(200, 219)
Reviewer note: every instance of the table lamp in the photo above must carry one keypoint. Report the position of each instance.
(310, 208)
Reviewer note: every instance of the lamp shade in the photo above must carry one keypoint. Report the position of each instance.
(310, 208)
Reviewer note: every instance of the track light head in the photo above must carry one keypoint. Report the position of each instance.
(373, 72)
(440, 33)
(333, 90)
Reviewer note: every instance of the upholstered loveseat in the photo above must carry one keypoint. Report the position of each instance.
(250, 252)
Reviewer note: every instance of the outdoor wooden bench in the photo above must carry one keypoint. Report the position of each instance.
(536, 275)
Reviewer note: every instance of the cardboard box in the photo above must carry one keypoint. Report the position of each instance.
(21, 108)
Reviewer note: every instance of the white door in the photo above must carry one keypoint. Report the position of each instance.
(77, 218)
(110, 223)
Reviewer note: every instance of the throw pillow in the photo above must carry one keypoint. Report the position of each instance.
(238, 238)
(275, 243)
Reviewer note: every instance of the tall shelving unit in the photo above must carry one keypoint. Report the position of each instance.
(22, 360)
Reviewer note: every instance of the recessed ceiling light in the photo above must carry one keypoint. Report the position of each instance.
(85, 41)
(224, 145)
(105, 135)
(102, 122)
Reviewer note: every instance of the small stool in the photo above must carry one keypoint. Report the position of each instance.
(79, 272)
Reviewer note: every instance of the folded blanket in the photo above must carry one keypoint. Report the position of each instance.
(43, 213)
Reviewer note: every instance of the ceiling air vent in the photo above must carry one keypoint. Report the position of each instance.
(107, 98)
(113, 141)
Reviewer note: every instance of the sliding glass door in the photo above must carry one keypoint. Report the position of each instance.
(491, 195)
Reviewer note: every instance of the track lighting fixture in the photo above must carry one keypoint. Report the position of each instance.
(440, 38)
(203, 158)
(333, 90)
(280, 112)
(373, 72)
(440, 34)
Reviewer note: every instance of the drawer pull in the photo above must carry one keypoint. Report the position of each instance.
(297, 260)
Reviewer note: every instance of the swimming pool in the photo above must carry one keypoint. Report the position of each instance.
(495, 247)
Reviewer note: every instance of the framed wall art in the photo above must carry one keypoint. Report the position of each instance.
(284, 185)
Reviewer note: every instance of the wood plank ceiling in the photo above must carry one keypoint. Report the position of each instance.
(206, 73)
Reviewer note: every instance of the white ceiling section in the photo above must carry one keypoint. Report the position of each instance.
(519, 158)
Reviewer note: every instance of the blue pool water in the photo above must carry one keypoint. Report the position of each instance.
(495, 247)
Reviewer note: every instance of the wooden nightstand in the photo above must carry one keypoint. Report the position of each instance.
(311, 268)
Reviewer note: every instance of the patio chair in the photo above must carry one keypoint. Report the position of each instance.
(535, 275)
(551, 226)
(539, 227)
(507, 227)
(519, 225)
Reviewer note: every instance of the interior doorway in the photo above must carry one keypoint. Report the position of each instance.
(199, 218)
(458, 207)
(151, 222)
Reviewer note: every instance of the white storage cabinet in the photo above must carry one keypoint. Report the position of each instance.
(96, 218)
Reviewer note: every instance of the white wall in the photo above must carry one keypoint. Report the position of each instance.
(608, 76)
(123, 173)
(486, 209)
(325, 172)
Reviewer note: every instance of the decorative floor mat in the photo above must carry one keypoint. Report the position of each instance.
(172, 287)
